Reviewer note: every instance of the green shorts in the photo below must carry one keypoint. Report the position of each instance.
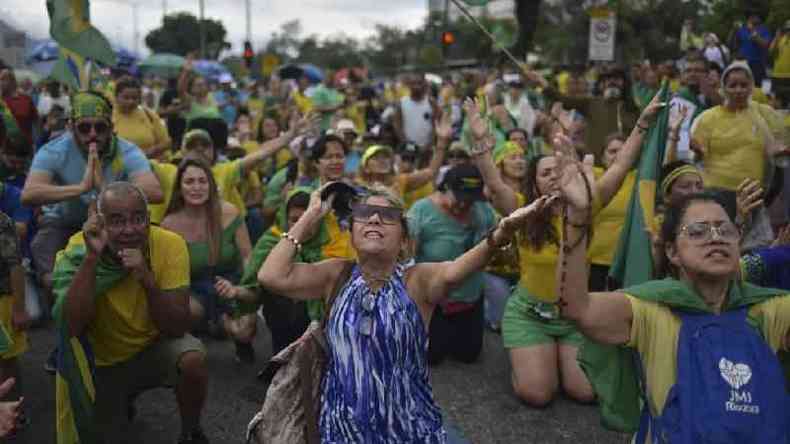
(529, 322)
(155, 366)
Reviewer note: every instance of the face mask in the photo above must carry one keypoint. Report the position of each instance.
(612, 93)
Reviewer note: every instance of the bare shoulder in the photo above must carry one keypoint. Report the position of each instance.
(229, 213)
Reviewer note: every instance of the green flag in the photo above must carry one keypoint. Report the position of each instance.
(633, 261)
(69, 25)
(476, 2)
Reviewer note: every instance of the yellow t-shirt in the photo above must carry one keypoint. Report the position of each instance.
(414, 195)
(228, 178)
(142, 127)
(782, 58)
(608, 224)
(123, 326)
(734, 143)
(304, 103)
(166, 173)
(339, 245)
(562, 82)
(538, 268)
(655, 330)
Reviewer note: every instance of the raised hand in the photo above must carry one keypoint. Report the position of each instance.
(677, 117)
(94, 231)
(572, 180)
(748, 197)
(477, 124)
(525, 214)
(650, 111)
(783, 238)
(88, 182)
(444, 126)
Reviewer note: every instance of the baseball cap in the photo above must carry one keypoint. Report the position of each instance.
(373, 150)
(345, 125)
(465, 182)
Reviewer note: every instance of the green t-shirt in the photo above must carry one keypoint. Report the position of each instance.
(440, 238)
(229, 260)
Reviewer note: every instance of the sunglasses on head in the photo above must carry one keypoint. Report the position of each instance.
(387, 215)
(99, 127)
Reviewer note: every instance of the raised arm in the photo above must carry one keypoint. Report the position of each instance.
(503, 198)
(613, 178)
(435, 280)
(281, 275)
(603, 317)
(444, 133)
(296, 127)
(676, 120)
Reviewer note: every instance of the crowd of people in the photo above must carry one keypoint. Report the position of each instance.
(147, 213)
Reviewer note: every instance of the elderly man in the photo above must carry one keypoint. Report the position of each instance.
(122, 287)
(67, 173)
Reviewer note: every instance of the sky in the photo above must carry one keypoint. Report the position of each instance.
(114, 18)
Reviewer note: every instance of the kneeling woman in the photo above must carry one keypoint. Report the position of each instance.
(706, 341)
(217, 239)
(376, 387)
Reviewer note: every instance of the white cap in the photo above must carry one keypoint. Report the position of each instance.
(345, 125)
(225, 78)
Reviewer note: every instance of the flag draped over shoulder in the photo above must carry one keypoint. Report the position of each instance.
(75, 393)
(79, 41)
(633, 262)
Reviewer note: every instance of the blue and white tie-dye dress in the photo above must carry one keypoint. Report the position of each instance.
(376, 388)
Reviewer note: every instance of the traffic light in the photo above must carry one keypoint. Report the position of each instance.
(448, 38)
(248, 54)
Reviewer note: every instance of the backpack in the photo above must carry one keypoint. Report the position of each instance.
(730, 386)
(290, 410)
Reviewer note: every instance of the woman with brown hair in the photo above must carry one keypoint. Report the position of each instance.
(543, 345)
(219, 247)
(138, 124)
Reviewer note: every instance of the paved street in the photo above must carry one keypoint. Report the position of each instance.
(475, 398)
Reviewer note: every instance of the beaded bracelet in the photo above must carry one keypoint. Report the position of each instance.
(293, 240)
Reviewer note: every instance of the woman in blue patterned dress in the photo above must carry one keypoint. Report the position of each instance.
(376, 388)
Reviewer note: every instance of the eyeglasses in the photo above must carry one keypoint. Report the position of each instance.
(704, 231)
(99, 127)
(387, 215)
(366, 321)
(119, 223)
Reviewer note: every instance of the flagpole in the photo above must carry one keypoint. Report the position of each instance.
(485, 31)
(202, 29)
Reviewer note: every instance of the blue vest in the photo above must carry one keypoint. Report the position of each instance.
(730, 387)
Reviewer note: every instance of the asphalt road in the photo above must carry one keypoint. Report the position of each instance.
(475, 398)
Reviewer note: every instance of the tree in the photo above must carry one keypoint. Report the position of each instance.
(179, 35)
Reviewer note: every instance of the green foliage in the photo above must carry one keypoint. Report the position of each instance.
(179, 34)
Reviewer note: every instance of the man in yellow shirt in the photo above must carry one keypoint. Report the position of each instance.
(123, 284)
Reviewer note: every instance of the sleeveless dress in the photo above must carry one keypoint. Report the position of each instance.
(376, 388)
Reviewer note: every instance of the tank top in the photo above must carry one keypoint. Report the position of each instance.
(417, 121)
(377, 388)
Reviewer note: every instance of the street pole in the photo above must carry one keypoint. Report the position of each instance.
(249, 20)
(136, 26)
(202, 29)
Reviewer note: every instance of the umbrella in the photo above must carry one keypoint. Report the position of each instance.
(28, 74)
(43, 68)
(125, 57)
(211, 69)
(163, 65)
(295, 72)
(43, 51)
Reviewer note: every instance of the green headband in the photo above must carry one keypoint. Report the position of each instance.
(666, 184)
(505, 150)
(90, 104)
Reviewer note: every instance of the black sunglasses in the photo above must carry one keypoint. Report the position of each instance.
(388, 215)
(99, 127)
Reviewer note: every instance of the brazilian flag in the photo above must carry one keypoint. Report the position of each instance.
(79, 41)
(633, 261)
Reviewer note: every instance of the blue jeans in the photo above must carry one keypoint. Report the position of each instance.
(496, 291)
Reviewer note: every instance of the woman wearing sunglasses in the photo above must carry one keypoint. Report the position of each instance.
(376, 386)
(700, 347)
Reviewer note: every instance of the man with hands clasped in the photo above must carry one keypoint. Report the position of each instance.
(122, 293)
